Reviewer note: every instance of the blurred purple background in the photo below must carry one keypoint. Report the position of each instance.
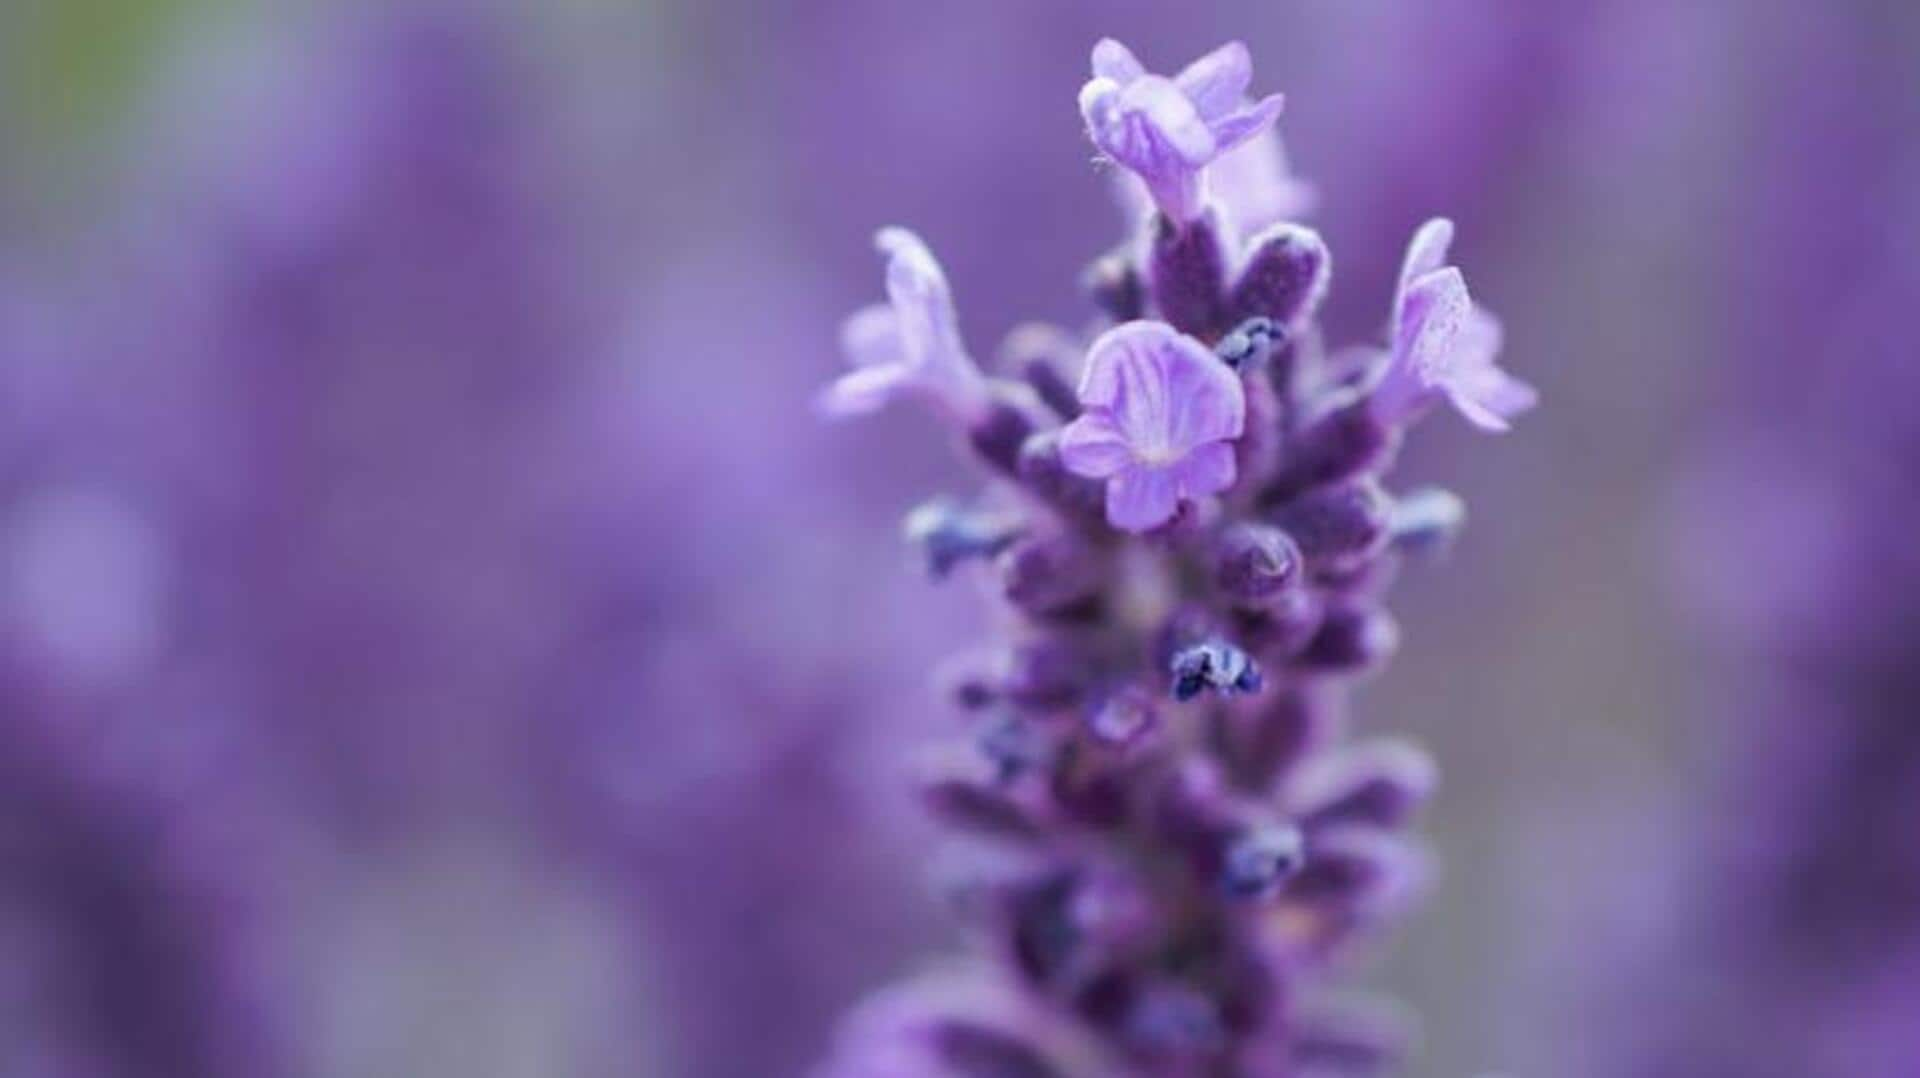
(436, 637)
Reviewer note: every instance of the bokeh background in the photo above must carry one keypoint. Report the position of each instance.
(436, 637)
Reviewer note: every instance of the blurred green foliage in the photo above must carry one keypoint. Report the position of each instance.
(69, 68)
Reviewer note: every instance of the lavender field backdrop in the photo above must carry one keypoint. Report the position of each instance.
(438, 636)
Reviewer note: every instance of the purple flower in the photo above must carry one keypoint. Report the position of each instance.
(1444, 345)
(1253, 184)
(1167, 131)
(909, 345)
(1161, 412)
(1113, 859)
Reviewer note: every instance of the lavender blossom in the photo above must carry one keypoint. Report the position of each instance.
(1160, 414)
(1443, 344)
(1163, 842)
(1167, 131)
(911, 344)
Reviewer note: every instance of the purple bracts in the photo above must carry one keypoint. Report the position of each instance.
(1164, 843)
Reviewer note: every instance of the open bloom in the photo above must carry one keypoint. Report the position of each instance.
(1168, 130)
(1443, 346)
(910, 345)
(1160, 415)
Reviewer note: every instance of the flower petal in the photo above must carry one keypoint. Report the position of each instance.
(921, 298)
(1491, 398)
(1426, 253)
(1112, 60)
(870, 337)
(1166, 392)
(864, 390)
(1217, 82)
(1158, 128)
(1236, 127)
(1436, 309)
(1094, 447)
(1209, 469)
(1142, 498)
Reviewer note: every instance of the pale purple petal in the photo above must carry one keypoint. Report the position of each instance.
(1238, 126)
(1166, 391)
(1158, 128)
(1207, 470)
(1112, 60)
(1094, 447)
(1445, 346)
(1141, 498)
(1426, 253)
(1209, 401)
(1490, 398)
(1255, 186)
(922, 300)
(864, 390)
(870, 337)
(1436, 309)
(1217, 82)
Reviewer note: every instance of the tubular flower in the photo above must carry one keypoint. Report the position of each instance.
(1167, 131)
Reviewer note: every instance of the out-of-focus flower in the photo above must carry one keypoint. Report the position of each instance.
(1167, 131)
(1444, 346)
(1160, 414)
(909, 345)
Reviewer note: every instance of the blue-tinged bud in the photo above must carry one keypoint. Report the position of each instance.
(1015, 745)
(1426, 521)
(1215, 665)
(1258, 860)
(949, 533)
(1247, 346)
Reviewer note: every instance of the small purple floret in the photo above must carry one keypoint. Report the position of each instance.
(1167, 131)
(910, 345)
(1444, 346)
(1159, 415)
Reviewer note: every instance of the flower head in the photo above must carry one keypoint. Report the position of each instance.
(909, 345)
(1443, 345)
(1160, 414)
(1167, 130)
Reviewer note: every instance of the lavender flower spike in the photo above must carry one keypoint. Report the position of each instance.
(1162, 844)
(1444, 345)
(1167, 131)
(1160, 413)
(909, 345)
